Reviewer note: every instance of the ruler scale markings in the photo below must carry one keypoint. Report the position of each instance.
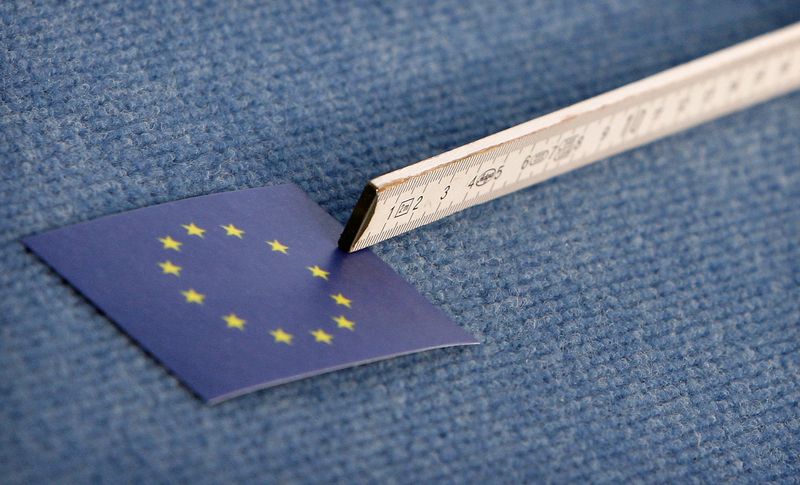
(605, 125)
(532, 148)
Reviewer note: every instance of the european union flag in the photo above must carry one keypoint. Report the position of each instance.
(244, 290)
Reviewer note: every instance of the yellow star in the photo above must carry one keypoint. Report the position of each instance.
(193, 230)
(231, 230)
(170, 243)
(281, 336)
(169, 268)
(322, 336)
(343, 322)
(342, 300)
(318, 272)
(277, 246)
(234, 321)
(193, 296)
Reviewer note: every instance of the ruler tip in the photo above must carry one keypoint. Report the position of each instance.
(359, 219)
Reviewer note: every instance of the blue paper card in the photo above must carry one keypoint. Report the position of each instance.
(243, 290)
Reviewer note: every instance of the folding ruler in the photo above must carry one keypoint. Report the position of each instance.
(678, 98)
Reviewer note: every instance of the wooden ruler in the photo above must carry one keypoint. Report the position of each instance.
(673, 100)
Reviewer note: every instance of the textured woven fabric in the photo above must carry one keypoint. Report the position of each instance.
(640, 318)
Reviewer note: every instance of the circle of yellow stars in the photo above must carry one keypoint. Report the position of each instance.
(234, 321)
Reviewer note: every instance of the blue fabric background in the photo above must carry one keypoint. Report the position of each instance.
(640, 318)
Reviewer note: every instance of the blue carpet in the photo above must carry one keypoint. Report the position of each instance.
(640, 318)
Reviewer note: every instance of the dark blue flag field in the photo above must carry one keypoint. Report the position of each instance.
(243, 290)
